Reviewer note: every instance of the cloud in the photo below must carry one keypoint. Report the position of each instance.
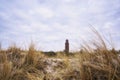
(50, 22)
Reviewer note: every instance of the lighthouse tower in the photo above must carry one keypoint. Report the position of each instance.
(67, 46)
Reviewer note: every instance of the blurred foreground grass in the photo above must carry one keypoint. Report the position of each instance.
(98, 63)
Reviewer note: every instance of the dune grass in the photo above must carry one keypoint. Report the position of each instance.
(98, 63)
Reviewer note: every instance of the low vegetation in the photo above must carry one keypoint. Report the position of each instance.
(93, 62)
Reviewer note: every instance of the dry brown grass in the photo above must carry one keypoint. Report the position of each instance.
(94, 62)
(99, 64)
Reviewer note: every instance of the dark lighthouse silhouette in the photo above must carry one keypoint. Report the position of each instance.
(67, 46)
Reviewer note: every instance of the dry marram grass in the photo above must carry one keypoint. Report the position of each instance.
(88, 64)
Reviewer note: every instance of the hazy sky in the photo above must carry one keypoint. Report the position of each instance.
(49, 22)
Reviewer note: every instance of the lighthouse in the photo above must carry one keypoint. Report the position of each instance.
(67, 46)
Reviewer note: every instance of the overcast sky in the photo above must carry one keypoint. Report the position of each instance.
(49, 22)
